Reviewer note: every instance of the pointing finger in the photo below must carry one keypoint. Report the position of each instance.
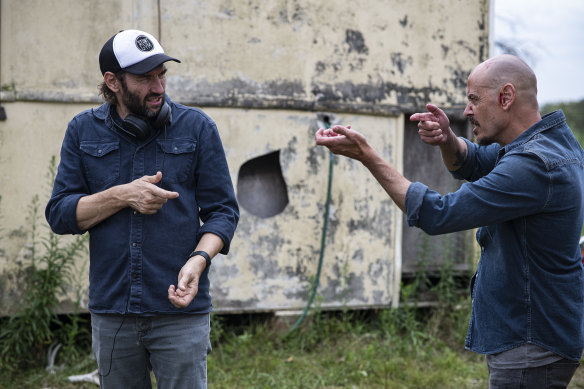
(164, 194)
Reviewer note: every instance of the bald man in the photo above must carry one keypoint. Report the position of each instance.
(525, 195)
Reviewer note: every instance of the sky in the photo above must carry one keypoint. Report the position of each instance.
(550, 38)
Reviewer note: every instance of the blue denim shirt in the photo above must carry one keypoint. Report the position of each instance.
(528, 199)
(135, 257)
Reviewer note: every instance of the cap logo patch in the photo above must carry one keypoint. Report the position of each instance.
(144, 44)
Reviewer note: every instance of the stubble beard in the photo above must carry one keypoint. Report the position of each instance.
(480, 141)
(137, 106)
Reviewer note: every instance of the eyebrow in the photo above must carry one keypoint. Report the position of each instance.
(147, 75)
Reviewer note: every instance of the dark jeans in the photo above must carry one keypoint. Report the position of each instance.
(555, 375)
(174, 347)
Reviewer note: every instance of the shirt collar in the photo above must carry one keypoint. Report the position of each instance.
(547, 122)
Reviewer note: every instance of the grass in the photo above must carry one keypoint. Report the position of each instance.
(409, 347)
(348, 349)
(356, 349)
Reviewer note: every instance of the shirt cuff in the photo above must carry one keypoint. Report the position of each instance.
(70, 213)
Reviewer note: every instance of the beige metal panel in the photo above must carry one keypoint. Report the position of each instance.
(368, 56)
(369, 52)
(374, 56)
(273, 259)
(50, 47)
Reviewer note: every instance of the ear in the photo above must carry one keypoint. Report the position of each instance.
(506, 96)
(112, 81)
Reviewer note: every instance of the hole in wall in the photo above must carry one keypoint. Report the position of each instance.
(326, 119)
(261, 189)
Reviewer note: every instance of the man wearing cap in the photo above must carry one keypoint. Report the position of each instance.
(149, 180)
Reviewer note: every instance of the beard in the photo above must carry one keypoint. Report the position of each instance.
(136, 105)
(480, 141)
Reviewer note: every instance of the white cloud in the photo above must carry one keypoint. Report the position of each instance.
(551, 34)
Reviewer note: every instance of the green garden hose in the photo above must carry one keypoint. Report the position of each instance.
(322, 242)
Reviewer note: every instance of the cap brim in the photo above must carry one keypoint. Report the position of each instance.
(149, 64)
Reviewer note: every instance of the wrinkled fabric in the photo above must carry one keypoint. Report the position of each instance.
(527, 198)
(135, 257)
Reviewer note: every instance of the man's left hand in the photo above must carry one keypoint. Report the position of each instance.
(344, 141)
(188, 282)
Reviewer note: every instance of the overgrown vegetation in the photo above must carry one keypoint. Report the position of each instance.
(37, 335)
(409, 347)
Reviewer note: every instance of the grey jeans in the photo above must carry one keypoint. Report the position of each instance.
(554, 375)
(174, 347)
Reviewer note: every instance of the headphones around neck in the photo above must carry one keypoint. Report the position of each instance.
(141, 129)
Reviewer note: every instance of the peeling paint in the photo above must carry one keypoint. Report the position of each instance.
(268, 68)
(276, 258)
(400, 62)
(356, 42)
(375, 94)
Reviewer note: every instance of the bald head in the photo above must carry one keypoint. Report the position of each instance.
(508, 69)
(502, 99)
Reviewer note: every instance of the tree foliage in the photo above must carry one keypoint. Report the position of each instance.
(574, 112)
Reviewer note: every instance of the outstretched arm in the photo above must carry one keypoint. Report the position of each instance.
(345, 141)
(434, 129)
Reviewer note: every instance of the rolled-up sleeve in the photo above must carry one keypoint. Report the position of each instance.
(215, 195)
(68, 188)
(414, 198)
(480, 160)
(517, 186)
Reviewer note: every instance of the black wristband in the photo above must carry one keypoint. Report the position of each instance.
(204, 255)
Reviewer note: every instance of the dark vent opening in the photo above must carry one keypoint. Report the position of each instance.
(261, 189)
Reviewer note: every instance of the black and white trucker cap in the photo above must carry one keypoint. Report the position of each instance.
(133, 51)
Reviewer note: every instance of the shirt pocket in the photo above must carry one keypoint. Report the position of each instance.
(101, 161)
(174, 158)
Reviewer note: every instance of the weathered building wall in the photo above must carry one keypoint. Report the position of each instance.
(262, 70)
(274, 258)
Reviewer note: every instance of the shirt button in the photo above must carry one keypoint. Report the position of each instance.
(99, 151)
(175, 148)
(135, 212)
(134, 244)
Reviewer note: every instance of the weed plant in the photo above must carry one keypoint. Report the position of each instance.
(33, 336)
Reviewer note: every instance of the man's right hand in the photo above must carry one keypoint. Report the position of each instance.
(145, 196)
(434, 129)
(141, 195)
(433, 126)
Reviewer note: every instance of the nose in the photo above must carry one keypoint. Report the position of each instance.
(157, 85)
(468, 110)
